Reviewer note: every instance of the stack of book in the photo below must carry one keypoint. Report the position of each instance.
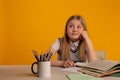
(100, 68)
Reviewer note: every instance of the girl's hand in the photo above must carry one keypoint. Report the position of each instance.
(84, 35)
(68, 63)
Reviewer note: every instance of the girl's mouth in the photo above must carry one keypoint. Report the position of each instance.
(74, 34)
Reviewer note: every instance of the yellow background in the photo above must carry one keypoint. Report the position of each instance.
(35, 24)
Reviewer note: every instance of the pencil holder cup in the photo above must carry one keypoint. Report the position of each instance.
(43, 69)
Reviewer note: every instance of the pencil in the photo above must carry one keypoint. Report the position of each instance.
(51, 54)
(35, 54)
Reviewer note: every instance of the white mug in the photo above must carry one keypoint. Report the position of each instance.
(43, 69)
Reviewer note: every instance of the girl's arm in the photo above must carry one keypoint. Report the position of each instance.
(59, 63)
(55, 62)
(90, 49)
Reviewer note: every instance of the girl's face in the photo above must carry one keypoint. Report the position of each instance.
(74, 29)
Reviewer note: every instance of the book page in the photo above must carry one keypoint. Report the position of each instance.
(71, 69)
(104, 65)
(78, 64)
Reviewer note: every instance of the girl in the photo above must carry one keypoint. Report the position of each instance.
(75, 45)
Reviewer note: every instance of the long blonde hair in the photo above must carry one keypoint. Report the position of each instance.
(65, 46)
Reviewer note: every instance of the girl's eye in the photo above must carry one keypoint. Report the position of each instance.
(70, 26)
(78, 27)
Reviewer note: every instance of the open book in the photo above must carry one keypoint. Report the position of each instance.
(100, 68)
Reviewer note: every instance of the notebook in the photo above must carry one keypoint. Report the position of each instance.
(81, 77)
(100, 68)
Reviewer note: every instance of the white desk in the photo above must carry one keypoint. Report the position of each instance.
(23, 72)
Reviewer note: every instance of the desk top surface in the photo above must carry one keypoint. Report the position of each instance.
(23, 72)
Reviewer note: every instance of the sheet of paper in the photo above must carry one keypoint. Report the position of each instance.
(81, 77)
(71, 69)
(80, 64)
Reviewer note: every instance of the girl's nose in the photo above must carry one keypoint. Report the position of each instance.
(74, 28)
